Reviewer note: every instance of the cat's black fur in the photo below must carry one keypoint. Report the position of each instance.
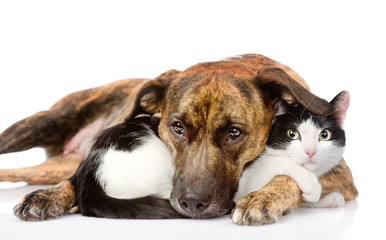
(294, 114)
(90, 197)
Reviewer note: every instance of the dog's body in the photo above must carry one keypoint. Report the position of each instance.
(215, 119)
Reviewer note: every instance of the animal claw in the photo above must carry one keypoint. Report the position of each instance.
(43, 213)
(265, 212)
(246, 216)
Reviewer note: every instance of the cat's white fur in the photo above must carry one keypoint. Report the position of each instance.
(147, 170)
(294, 162)
(331, 200)
(327, 155)
(274, 163)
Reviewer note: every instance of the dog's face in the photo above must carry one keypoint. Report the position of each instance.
(213, 125)
(215, 118)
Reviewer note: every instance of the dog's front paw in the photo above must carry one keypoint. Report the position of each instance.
(268, 204)
(256, 209)
(46, 204)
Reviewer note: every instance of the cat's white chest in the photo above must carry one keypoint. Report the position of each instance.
(147, 170)
(271, 164)
(261, 172)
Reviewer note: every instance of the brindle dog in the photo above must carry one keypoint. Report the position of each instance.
(215, 119)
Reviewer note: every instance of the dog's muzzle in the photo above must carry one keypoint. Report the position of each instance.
(201, 198)
(193, 203)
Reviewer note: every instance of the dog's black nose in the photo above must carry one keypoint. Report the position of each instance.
(193, 205)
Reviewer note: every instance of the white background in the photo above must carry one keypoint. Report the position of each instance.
(51, 48)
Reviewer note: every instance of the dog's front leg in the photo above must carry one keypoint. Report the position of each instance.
(282, 195)
(47, 203)
(268, 204)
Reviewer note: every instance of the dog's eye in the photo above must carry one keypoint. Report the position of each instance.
(178, 128)
(233, 134)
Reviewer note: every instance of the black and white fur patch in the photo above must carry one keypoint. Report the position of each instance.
(127, 174)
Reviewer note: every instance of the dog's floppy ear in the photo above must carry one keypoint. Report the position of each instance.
(277, 84)
(150, 97)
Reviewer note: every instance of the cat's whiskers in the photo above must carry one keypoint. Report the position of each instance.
(302, 113)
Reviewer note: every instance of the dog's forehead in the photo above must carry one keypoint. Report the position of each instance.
(212, 96)
(213, 76)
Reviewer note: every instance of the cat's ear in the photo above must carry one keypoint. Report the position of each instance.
(340, 104)
(281, 107)
(276, 83)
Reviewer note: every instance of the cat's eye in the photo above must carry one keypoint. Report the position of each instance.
(293, 134)
(325, 135)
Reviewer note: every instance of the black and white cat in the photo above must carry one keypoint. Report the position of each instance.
(303, 146)
(128, 172)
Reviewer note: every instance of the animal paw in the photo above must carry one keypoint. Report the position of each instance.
(331, 200)
(45, 204)
(334, 199)
(256, 209)
(312, 189)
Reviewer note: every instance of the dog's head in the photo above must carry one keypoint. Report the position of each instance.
(215, 118)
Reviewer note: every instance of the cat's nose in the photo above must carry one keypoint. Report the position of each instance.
(310, 153)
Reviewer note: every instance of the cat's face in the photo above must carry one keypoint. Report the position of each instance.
(316, 148)
(315, 142)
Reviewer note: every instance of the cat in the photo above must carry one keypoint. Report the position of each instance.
(127, 174)
(303, 146)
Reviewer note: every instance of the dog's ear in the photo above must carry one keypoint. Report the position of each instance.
(275, 84)
(150, 97)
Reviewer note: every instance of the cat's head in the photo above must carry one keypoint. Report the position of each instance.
(314, 141)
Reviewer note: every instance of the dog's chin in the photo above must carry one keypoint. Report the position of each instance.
(215, 209)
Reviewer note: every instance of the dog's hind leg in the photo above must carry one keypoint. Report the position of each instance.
(63, 156)
(52, 128)
(52, 171)
(59, 129)
(43, 129)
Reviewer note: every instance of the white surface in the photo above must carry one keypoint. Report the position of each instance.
(332, 223)
(49, 49)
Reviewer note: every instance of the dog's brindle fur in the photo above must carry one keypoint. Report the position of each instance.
(206, 101)
(53, 128)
